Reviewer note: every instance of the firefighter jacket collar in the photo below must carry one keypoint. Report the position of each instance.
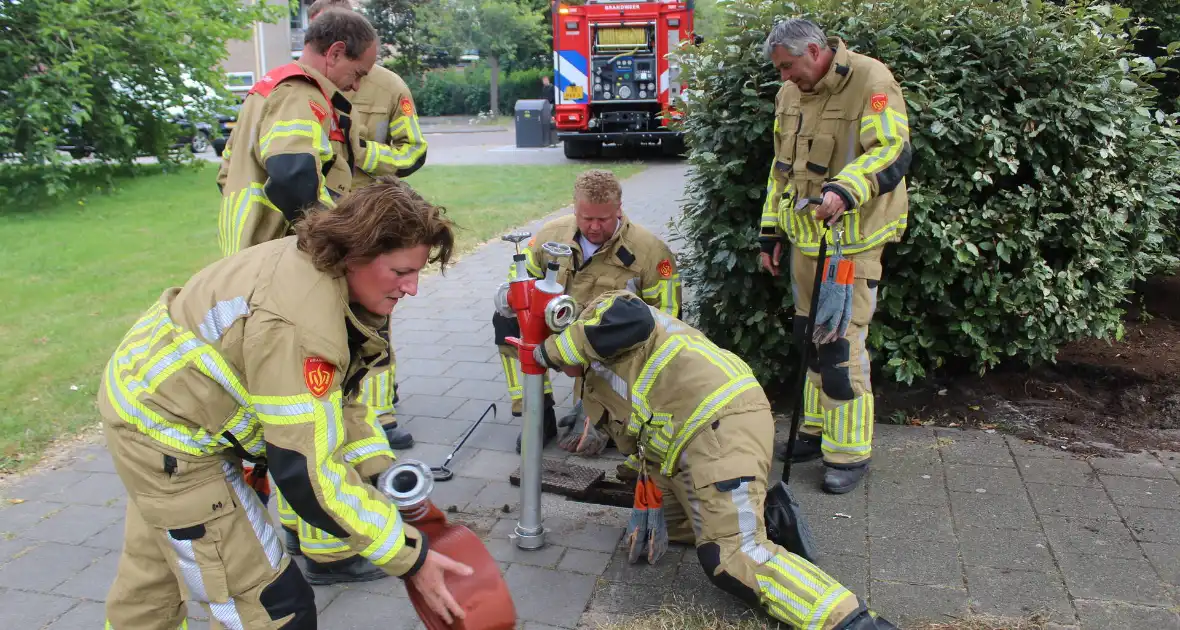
(609, 247)
(837, 75)
(367, 323)
(337, 98)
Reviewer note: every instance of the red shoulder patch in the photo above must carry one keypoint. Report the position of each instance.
(318, 109)
(665, 268)
(407, 106)
(317, 375)
(878, 101)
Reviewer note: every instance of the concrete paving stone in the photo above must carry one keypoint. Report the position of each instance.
(582, 561)
(480, 354)
(471, 410)
(46, 566)
(889, 435)
(851, 571)
(1144, 492)
(496, 437)
(32, 610)
(957, 450)
(355, 609)
(931, 563)
(99, 489)
(458, 492)
(1072, 501)
(505, 527)
(907, 605)
(997, 511)
(422, 367)
(1152, 525)
(75, 524)
(1165, 559)
(926, 489)
(93, 582)
(1087, 536)
(52, 486)
(1170, 459)
(496, 494)
(507, 551)
(489, 465)
(415, 351)
(18, 518)
(1060, 472)
(481, 370)
(1123, 579)
(1009, 592)
(995, 480)
(904, 460)
(11, 547)
(845, 536)
(1140, 464)
(482, 390)
(388, 586)
(1024, 449)
(922, 522)
(427, 405)
(429, 385)
(662, 572)
(580, 534)
(1102, 615)
(564, 600)
(437, 430)
(84, 616)
(479, 339)
(613, 602)
(325, 595)
(94, 459)
(1006, 549)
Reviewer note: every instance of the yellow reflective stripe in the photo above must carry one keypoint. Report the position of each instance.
(314, 541)
(295, 128)
(569, 353)
(511, 374)
(832, 599)
(406, 153)
(770, 212)
(663, 292)
(287, 515)
(887, 128)
(786, 605)
(531, 265)
(703, 414)
(848, 428)
(813, 411)
(377, 392)
(641, 408)
(235, 210)
(365, 449)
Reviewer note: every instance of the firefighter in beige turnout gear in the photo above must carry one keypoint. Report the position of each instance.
(696, 418)
(840, 133)
(609, 252)
(257, 357)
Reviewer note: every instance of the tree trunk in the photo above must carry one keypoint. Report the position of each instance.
(494, 66)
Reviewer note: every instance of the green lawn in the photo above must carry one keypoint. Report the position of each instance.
(77, 273)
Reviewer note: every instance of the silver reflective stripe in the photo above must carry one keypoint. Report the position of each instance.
(394, 537)
(116, 396)
(222, 316)
(817, 617)
(377, 520)
(616, 382)
(783, 599)
(248, 499)
(354, 454)
(287, 411)
(748, 525)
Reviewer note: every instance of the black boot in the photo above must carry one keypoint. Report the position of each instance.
(291, 542)
(399, 439)
(867, 620)
(354, 569)
(549, 423)
(841, 478)
(807, 448)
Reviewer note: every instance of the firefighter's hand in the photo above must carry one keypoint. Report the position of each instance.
(770, 261)
(831, 209)
(429, 580)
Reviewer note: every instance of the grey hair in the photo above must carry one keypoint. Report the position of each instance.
(794, 35)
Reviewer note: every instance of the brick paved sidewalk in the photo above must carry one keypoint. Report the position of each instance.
(947, 523)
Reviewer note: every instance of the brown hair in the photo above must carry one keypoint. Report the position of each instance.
(598, 186)
(319, 6)
(374, 220)
(340, 25)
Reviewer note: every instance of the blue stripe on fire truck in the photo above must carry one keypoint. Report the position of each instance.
(573, 86)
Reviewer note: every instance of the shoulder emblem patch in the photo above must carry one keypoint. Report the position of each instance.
(317, 375)
(318, 109)
(665, 268)
(407, 106)
(878, 101)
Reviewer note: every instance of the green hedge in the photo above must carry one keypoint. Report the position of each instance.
(467, 91)
(1042, 185)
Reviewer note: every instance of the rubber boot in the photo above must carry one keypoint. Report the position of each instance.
(399, 439)
(354, 569)
(807, 448)
(867, 620)
(291, 542)
(841, 478)
(549, 423)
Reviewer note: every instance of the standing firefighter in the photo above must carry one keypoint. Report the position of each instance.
(609, 252)
(257, 357)
(840, 133)
(698, 426)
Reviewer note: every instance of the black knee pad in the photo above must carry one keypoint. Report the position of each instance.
(709, 555)
(800, 330)
(290, 594)
(503, 327)
(837, 385)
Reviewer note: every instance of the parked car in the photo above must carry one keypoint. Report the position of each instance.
(225, 125)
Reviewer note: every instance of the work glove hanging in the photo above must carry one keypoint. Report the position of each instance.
(636, 536)
(589, 443)
(657, 528)
(835, 297)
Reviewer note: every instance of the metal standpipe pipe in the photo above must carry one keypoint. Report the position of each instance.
(530, 532)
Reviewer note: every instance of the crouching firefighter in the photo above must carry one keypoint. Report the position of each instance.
(258, 357)
(610, 252)
(701, 433)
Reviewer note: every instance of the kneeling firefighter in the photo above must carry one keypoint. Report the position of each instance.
(258, 358)
(700, 431)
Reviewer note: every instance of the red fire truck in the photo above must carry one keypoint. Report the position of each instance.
(613, 82)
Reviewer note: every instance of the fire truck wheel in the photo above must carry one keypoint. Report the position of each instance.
(578, 149)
